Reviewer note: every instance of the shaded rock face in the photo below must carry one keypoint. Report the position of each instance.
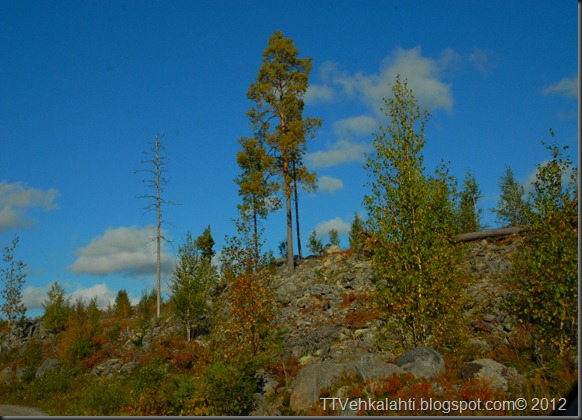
(496, 373)
(422, 362)
(48, 364)
(22, 333)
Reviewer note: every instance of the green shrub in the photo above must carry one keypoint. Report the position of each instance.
(150, 376)
(102, 397)
(545, 281)
(230, 388)
(54, 381)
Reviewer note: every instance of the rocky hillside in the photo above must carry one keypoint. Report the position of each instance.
(332, 329)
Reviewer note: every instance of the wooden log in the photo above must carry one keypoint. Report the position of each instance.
(474, 236)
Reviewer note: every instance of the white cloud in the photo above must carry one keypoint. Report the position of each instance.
(15, 201)
(329, 184)
(355, 126)
(127, 250)
(340, 152)
(323, 228)
(318, 93)
(567, 87)
(100, 291)
(32, 296)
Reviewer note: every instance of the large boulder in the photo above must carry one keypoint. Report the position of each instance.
(498, 375)
(370, 366)
(422, 362)
(310, 380)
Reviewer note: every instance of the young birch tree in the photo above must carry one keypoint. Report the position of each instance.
(13, 279)
(512, 207)
(278, 118)
(413, 219)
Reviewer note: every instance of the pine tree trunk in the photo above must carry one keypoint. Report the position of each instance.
(297, 212)
(287, 181)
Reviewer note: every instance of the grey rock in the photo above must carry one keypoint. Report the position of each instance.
(128, 367)
(489, 318)
(309, 381)
(48, 364)
(108, 367)
(498, 374)
(267, 384)
(371, 366)
(422, 362)
(330, 249)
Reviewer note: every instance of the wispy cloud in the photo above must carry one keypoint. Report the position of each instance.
(567, 87)
(329, 184)
(481, 60)
(126, 250)
(318, 93)
(343, 151)
(355, 126)
(16, 199)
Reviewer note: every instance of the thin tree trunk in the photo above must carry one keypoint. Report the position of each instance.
(297, 212)
(159, 227)
(287, 181)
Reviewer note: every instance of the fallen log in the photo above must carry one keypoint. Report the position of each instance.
(474, 236)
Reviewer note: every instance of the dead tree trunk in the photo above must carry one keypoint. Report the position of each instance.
(474, 236)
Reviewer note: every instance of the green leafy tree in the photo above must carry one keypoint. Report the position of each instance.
(205, 244)
(277, 117)
(245, 333)
(545, 282)
(146, 305)
(315, 245)
(334, 237)
(357, 235)
(13, 278)
(413, 218)
(468, 210)
(190, 284)
(256, 185)
(76, 342)
(512, 206)
(56, 308)
(122, 305)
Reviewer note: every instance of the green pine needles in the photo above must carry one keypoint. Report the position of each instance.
(412, 218)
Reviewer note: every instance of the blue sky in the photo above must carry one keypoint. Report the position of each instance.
(86, 86)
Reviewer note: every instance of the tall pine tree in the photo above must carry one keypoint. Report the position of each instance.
(278, 118)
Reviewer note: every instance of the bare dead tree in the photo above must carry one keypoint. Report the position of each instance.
(157, 182)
